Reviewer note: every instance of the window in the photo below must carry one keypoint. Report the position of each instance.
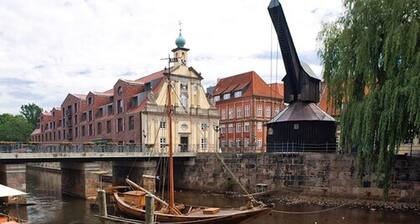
(184, 86)
(223, 114)
(75, 119)
(246, 127)
(276, 110)
(246, 142)
(223, 143)
(259, 143)
(90, 115)
(295, 126)
(119, 124)
(99, 112)
(108, 126)
(84, 116)
(59, 135)
(226, 96)
(110, 110)
(76, 132)
(267, 111)
(231, 143)
(162, 124)
(239, 112)
(119, 106)
(131, 123)
(238, 143)
(184, 100)
(259, 126)
(204, 126)
(99, 128)
(216, 98)
(247, 111)
(238, 127)
(231, 129)
(238, 94)
(222, 129)
(148, 86)
(83, 130)
(90, 130)
(119, 90)
(259, 111)
(204, 143)
(134, 101)
(162, 143)
(75, 108)
(90, 100)
(231, 113)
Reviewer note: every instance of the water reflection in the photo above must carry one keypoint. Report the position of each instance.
(44, 190)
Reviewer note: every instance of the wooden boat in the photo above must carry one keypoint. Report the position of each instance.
(132, 203)
(134, 208)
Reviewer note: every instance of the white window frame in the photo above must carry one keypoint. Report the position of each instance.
(246, 127)
(203, 142)
(226, 96)
(162, 124)
(238, 127)
(259, 110)
(216, 98)
(223, 112)
(239, 112)
(162, 142)
(231, 113)
(267, 111)
(237, 94)
(247, 110)
(231, 128)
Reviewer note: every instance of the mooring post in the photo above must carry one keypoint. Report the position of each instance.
(150, 209)
(102, 203)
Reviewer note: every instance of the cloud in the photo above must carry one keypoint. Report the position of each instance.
(51, 48)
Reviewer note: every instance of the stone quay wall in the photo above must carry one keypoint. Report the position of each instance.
(318, 174)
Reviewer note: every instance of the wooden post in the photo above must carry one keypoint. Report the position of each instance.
(150, 209)
(102, 203)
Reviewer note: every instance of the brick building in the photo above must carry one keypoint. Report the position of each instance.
(245, 104)
(134, 112)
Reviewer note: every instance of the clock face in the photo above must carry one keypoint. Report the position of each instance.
(184, 127)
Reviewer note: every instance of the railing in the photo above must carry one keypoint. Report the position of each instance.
(301, 147)
(100, 148)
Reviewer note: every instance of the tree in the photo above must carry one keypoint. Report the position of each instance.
(14, 128)
(371, 63)
(31, 112)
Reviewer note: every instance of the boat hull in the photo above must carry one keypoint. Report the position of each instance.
(228, 216)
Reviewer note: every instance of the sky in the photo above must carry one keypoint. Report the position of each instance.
(49, 48)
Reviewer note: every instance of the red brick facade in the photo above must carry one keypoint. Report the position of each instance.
(245, 104)
(110, 116)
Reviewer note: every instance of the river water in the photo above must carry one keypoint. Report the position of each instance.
(44, 190)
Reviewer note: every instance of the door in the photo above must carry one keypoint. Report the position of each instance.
(184, 144)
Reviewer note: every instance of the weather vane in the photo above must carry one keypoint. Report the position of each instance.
(180, 26)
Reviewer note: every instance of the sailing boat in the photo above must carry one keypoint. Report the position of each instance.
(132, 203)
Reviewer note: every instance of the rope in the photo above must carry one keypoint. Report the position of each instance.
(308, 213)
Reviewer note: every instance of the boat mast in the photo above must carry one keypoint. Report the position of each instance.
(170, 149)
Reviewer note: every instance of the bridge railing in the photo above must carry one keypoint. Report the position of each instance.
(101, 148)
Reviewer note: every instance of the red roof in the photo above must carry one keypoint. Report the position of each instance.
(250, 83)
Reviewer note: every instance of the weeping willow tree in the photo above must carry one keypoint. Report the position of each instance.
(371, 61)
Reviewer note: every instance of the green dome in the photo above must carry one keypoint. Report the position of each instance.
(180, 41)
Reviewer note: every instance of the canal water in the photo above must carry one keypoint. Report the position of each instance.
(50, 206)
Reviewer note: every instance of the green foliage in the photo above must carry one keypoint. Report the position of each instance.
(14, 128)
(371, 62)
(31, 112)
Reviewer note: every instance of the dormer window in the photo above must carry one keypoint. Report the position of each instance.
(119, 91)
(216, 98)
(90, 100)
(226, 96)
(148, 86)
(238, 94)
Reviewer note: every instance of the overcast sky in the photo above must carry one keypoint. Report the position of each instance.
(50, 48)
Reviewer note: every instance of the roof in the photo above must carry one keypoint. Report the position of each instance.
(302, 111)
(309, 71)
(6, 191)
(109, 92)
(151, 77)
(279, 87)
(80, 96)
(256, 85)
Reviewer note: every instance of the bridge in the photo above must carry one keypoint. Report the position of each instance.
(80, 164)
